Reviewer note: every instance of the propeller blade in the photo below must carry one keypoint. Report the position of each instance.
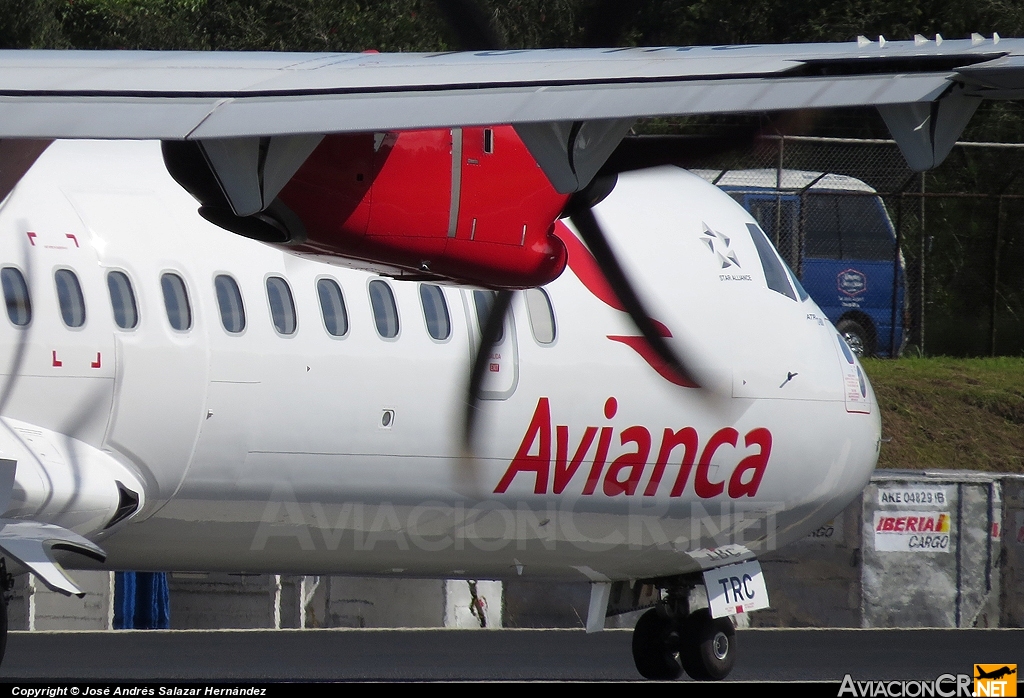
(17, 155)
(582, 216)
(605, 22)
(18, 357)
(472, 29)
(490, 335)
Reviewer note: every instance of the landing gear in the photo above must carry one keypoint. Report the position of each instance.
(668, 639)
(655, 647)
(709, 648)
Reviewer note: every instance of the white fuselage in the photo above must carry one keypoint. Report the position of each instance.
(311, 453)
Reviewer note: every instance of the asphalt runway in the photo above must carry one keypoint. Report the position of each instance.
(437, 654)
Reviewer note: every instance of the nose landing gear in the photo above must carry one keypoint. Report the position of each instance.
(669, 639)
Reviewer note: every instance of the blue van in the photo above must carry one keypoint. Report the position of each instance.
(836, 235)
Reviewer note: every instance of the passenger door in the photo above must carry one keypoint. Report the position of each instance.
(502, 375)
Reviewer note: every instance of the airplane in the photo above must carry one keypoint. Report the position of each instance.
(995, 673)
(242, 290)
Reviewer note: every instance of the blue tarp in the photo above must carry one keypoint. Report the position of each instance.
(141, 600)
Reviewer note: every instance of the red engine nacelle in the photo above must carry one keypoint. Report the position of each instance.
(470, 205)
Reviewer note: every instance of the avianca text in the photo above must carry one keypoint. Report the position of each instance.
(677, 458)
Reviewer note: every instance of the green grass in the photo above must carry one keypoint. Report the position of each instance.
(945, 413)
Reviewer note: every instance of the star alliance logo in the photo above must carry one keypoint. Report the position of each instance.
(719, 245)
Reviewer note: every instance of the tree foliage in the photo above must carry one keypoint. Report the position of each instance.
(407, 25)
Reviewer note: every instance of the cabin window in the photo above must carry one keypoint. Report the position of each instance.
(483, 300)
(282, 307)
(229, 299)
(489, 141)
(435, 312)
(542, 317)
(122, 300)
(179, 313)
(19, 306)
(385, 311)
(69, 295)
(332, 307)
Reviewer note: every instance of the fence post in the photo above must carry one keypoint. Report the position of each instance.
(921, 276)
(896, 274)
(778, 194)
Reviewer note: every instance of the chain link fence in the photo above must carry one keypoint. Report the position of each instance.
(900, 261)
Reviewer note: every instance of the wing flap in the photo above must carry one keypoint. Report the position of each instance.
(1005, 75)
(70, 117)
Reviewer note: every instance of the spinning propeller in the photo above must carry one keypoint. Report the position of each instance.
(17, 156)
(473, 31)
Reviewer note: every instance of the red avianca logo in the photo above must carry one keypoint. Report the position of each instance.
(584, 266)
(625, 473)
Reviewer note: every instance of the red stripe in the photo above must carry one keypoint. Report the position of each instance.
(584, 266)
(641, 347)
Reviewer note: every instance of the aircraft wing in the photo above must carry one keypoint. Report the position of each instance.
(213, 95)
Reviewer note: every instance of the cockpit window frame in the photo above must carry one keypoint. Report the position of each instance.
(776, 273)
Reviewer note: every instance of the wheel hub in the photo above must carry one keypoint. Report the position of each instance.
(721, 645)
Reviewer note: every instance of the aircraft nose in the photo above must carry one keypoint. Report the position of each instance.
(863, 424)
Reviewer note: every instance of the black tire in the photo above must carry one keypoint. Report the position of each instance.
(708, 649)
(857, 338)
(653, 653)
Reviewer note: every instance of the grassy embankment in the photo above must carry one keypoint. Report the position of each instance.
(951, 413)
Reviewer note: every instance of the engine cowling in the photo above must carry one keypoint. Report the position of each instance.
(469, 205)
